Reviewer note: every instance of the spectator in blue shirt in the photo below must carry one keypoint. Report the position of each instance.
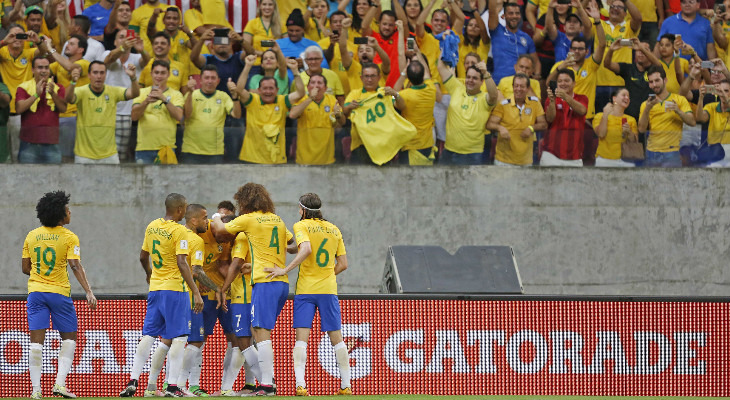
(295, 43)
(694, 28)
(509, 42)
(99, 16)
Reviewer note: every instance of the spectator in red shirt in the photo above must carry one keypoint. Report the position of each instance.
(388, 41)
(39, 101)
(565, 111)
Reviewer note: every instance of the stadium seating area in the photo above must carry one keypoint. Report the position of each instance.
(610, 83)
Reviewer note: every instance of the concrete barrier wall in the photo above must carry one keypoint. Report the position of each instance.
(574, 231)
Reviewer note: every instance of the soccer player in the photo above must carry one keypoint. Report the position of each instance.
(49, 291)
(268, 239)
(215, 254)
(317, 287)
(168, 303)
(238, 279)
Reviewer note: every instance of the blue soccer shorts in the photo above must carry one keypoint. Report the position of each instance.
(328, 305)
(241, 319)
(267, 301)
(197, 328)
(45, 307)
(168, 314)
(211, 314)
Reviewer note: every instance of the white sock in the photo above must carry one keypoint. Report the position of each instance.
(65, 359)
(187, 364)
(158, 358)
(300, 362)
(250, 376)
(266, 362)
(35, 365)
(233, 370)
(252, 359)
(343, 362)
(194, 378)
(167, 369)
(141, 355)
(177, 352)
(227, 360)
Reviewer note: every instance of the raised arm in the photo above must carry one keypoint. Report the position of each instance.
(367, 20)
(644, 117)
(384, 57)
(635, 15)
(718, 33)
(458, 17)
(422, 17)
(444, 70)
(243, 78)
(608, 62)
(344, 52)
(71, 90)
(195, 55)
(343, 5)
(298, 84)
(494, 7)
(152, 24)
(51, 13)
(700, 114)
(685, 89)
(550, 28)
(111, 25)
(530, 14)
(585, 19)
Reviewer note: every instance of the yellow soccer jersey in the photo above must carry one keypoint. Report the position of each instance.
(317, 272)
(96, 121)
(420, 100)
(141, 18)
(718, 130)
(258, 32)
(609, 147)
(334, 86)
(64, 78)
(179, 50)
(193, 19)
(49, 250)
(287, 6)
(241, 286)
(195, 255)
(613, 33)
(542, 6)
(313, 32)
(357, 95)
(665, 127)
(482, 49)
(466, 119)
(506, 83)
(517, 150)
(669, 69)
(157, 127)
(316, 133)
(586, 80)
(264, 142)
(336, 64)
(214, 253)
(647, 8)
(214, 13)
(204, 128)
(177, 79)
(165, 240)
(15, 71)
(268, 238)
(431, 49)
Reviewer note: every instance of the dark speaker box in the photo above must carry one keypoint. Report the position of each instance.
(431, 269)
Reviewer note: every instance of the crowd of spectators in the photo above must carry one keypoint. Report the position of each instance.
(419, 82)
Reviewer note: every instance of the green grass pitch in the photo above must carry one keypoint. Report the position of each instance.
(427, 397)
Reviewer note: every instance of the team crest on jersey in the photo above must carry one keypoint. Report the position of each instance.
(523, 41)
(181, 41)
(106, 97)
(326, 108)
(175, 72)
(220, 248)
(623, 29)
(528, 110)
(23, 61)
(276, 108)
(218, 101)
(583, 74)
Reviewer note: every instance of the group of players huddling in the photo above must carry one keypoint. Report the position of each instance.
(227, 269)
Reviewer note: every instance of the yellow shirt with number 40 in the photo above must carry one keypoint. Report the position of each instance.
(96, 121)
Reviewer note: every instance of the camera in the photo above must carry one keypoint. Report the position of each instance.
(361, 40)
(267, 43)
